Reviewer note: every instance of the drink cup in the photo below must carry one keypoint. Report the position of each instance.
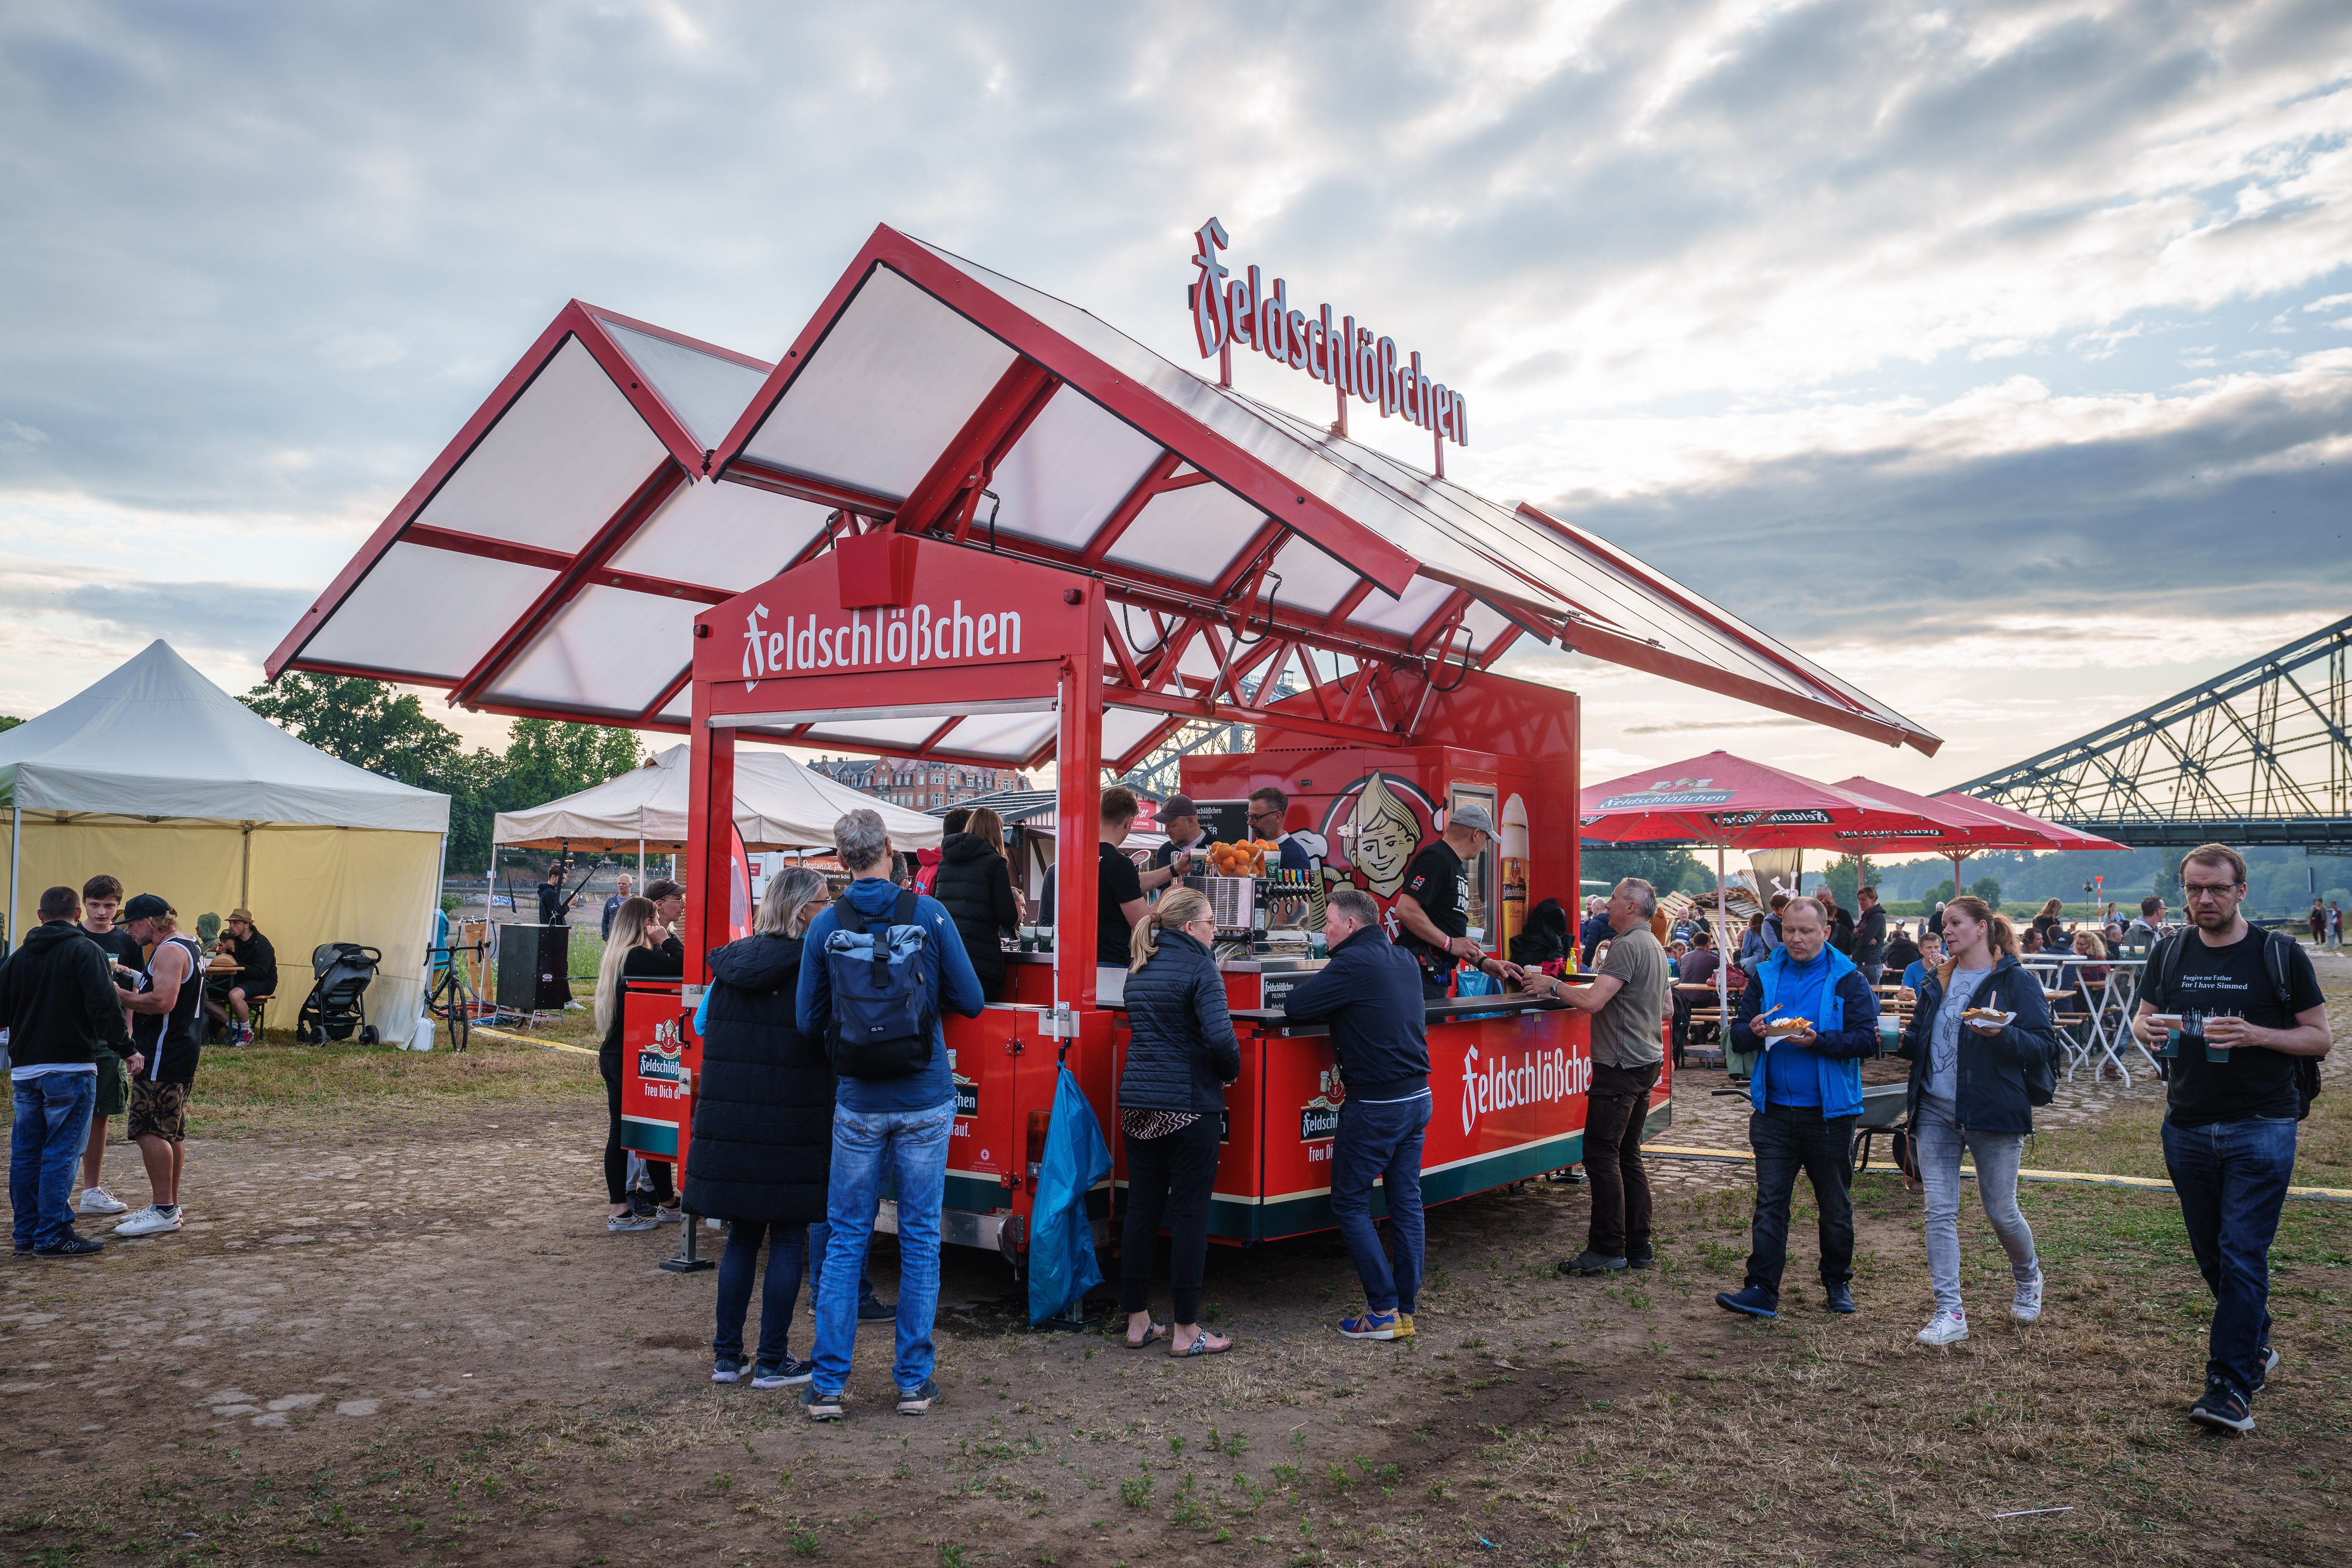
(1028, 939)
(2214, 1052)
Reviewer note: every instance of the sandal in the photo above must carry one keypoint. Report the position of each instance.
(1201, 1346)
(1156, 1331)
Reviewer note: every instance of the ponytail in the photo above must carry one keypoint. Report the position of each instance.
(1177, 908)
(2001, 936)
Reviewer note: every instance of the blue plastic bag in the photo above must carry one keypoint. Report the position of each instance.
(1062, 1264)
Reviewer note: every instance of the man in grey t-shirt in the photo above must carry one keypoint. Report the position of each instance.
(1629, 1002)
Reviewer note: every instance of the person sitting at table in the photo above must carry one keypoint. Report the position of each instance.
(1931, 953)
(1899, 954)
(1696, 968)
(1755, 945)
(243, 944)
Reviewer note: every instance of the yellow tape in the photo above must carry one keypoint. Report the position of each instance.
(2081, 1178)
(526, 1040)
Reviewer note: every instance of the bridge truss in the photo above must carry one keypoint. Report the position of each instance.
(2258, 756)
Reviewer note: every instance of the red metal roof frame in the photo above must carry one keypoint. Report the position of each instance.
(687, 458)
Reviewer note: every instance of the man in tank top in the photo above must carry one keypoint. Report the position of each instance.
(167, 1024)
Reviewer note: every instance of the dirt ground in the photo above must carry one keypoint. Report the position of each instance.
(395, 1328)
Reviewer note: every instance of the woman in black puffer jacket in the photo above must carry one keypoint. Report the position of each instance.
(762, 1154)
(1181, 1054)
(976, 886)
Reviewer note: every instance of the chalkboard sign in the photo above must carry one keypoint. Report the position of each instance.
(1225, 821)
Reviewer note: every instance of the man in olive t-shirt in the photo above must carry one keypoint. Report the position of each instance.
(1629, 1002)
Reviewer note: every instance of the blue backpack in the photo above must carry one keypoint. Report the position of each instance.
(883, 983)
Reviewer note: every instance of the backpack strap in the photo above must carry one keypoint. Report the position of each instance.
(2275, 946)
(905, 914)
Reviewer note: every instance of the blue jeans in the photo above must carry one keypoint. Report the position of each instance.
(44, 1150)
(910, 1149)
(2231, 1179)
(1381, 1140)
(789, 1249)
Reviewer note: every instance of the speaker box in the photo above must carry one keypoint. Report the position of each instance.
(532, 965)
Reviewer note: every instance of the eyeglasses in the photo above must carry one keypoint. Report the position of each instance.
(2210, 889)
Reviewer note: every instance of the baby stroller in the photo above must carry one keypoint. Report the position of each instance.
(337, 1004)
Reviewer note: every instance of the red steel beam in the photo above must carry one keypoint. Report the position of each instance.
(958, 465)
(1157, 479)
(808, 487)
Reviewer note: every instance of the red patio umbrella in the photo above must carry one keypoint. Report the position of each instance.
(2051, 835)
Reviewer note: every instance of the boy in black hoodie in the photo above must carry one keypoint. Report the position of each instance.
(59, 1008)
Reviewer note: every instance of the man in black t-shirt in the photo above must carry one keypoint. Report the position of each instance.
(1869, 953)
(1119, 886)
(1434, 904)
(2252, 1000)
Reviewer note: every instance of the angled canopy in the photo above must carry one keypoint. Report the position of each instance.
(552, 559)
(780, 804)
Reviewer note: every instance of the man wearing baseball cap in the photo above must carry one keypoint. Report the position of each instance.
(169, 1027)
(1434, 906)
(1179, 818)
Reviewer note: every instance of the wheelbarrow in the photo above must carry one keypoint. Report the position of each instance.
(1882, 1112)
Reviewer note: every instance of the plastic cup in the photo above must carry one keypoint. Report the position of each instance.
(2171, 1043)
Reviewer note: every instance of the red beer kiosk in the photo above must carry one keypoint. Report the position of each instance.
(963, 520)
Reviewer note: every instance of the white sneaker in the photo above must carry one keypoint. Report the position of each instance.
(150, 1221)
(98, 1200)
(2027, 1308)
(1946, 1328)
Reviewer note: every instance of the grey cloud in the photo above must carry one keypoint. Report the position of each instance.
(234, 617)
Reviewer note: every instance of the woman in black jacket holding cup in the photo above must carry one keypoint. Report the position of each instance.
(1181, 1054)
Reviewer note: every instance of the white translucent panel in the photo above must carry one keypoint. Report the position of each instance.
(1199, 660)
(609, 649)
(1312, 581)
(1011, 736)
(1192, 534)
(679, 708)
(1125, 727)
(1406, 616)
(886, 391)
(1485, 625)
(431, 613)
(1070, 467)
(876, 731)
(704, 390)
(565, 456)
(721, 536)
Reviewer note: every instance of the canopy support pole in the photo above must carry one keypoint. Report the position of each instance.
(641, 865)
(16, 862)
(244, 868)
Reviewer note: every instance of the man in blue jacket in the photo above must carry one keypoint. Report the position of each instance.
(1369, 994)
(1807, 1092)
(894, 1126)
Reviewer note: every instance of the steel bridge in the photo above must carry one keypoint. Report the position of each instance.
(2257, 756)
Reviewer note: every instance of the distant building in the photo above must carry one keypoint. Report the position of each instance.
(922, 784)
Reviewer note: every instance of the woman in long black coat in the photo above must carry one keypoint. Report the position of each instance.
(976, 886)
(762, 1149)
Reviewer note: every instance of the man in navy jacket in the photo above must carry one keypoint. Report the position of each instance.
(1807, 1091)
(1369, 994)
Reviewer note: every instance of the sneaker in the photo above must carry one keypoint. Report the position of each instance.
(726, 1368)
(915, 1401)
(784, 1374)
(245, 1036)
(1945, 1327)
(1751, 1300)
(2223, 1406)
(71, 1247)
(2027, 1308)
(98, 1200)
(668, 1214)
(1588, 1263)
(1642, 1258)
(872, 1310)
(150, 1221)
(630, 1221)
(821, 1407)
(1377, 1325)
(2263, 1372)
(640, 1201)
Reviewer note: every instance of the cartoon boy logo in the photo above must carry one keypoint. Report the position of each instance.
(1384, 830)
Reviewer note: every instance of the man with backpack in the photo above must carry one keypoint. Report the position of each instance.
(2253, 1027)
(879, 965)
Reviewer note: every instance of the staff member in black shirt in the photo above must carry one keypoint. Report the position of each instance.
(2231, 1102)
(1119, 886)
(1179, 818)
(1433, 907)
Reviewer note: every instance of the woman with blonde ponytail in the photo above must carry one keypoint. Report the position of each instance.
(1971, 1072)
(1181, 1054)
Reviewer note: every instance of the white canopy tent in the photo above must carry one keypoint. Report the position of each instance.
(158, 776)
(780, 804)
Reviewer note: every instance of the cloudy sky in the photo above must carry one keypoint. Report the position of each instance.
(1999, 356)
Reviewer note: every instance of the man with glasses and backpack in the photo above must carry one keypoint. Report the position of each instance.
(878, 964)
(2252, 1026)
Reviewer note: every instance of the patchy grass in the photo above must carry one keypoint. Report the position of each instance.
(278, 1087)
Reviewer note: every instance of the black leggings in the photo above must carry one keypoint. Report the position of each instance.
(1170, 1176)
(616, 1158)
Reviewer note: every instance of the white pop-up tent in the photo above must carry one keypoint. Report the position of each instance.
(780, 804)
(159, 778)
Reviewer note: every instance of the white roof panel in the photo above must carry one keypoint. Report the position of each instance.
(721, 536)
(1072, 465)
(706, 390)
(1194, 533)
(592, 654)
(430, 614)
